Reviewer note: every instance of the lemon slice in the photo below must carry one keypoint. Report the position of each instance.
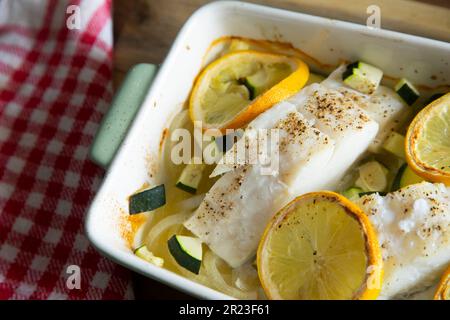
(320, 247)
(234, 89)
(428, 141)
(443, 290)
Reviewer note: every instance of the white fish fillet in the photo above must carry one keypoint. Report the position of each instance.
(413, 227)
(322, 133)
(384, 106)
(235, 211)
(336, 114)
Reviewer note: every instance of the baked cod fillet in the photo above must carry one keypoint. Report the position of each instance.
(413, 227)
(384, 106)
(235, 211)
(342, 117)
(322, 132)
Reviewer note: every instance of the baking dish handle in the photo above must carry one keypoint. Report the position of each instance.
(121, 113)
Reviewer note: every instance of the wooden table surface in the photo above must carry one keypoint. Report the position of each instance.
(145, 29)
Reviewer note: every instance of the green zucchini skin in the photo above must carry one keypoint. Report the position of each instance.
(362, 77)
(186, 188)
(251, 89)
(398, 177)
(434, 97)
(349, 71)
(190, 177)
(381, 193)
(147, 200)
(407, 94)
(227, 141)
(183, 258)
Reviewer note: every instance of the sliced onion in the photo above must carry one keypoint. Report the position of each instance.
(218, 282)
(191, 203)
(140, 234)
(171, 170)
(210, 274)
(202, 277)
(180, 120)
(245, 277)
(165, 224)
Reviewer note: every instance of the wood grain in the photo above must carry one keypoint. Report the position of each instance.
(145, 29)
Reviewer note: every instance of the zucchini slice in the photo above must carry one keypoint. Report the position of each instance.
(190, 177)
(396, 183)
(352, 193)
(362, 77)
(434, 97)
(256, 83)
(143, 253)
(409, 177)
(227, 141)
(381, 193)
(407, 91)
(265, 78)
(395, 144)
(187, 252)
(147, 200)
(405, 176)
(372, 177)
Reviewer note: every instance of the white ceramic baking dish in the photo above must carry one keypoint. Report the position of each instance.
(421, 60)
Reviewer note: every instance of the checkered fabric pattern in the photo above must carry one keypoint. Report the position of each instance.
(55, 85)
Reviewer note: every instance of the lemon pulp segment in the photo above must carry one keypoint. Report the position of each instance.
(315, 249)
(228, 88)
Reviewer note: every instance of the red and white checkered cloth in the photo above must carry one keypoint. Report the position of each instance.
(55, 85)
